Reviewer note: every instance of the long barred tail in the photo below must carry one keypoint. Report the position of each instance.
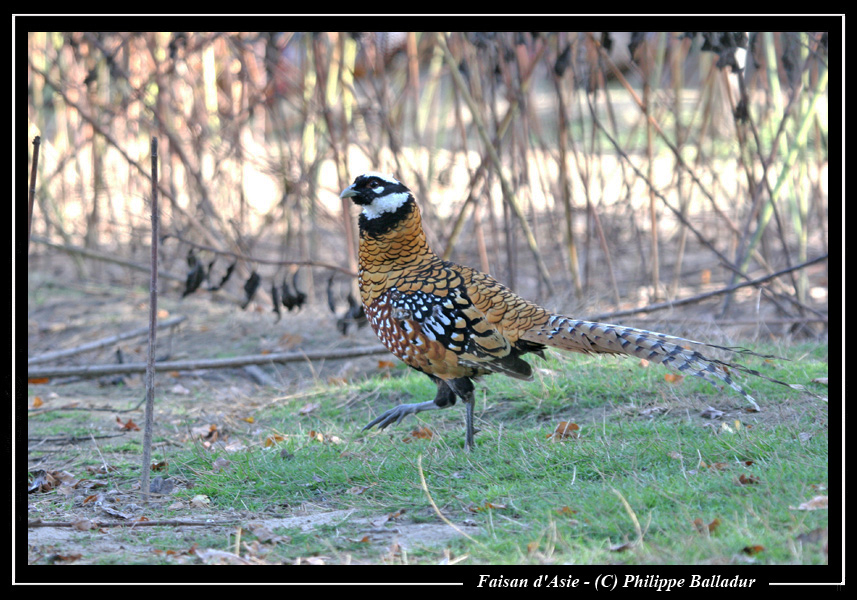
(671, 351)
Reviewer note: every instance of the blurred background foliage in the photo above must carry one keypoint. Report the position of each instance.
(591, 171)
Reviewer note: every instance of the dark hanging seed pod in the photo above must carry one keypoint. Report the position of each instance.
(275, 294)
(250, 287)
(195, 274)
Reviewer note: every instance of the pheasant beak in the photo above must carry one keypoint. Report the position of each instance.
(349, 192)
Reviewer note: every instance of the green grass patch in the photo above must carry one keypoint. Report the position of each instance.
(645, 465)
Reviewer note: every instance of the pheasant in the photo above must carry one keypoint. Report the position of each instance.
(455, 323)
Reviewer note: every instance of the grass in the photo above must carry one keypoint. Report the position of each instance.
(645, 466)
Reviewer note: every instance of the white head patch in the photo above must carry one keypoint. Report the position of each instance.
(385, 204)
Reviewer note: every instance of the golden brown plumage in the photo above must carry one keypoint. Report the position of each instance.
(454, 323)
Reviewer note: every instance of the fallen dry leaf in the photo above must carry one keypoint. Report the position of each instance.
(324, 437)
(701, 527)
(395, 550)
(290, 340)
(211, 556)
(420, 433)
(263, 533)
(388, 517)
(621, 547)
(205, 432)
(116, 513)
(255, 550)
(101, 469)
(55, 558)
(200, 501)
(45, 481)
(188, 552)
(129, 425)
(180, 390)
(273, 440)
(83, 524)
(711, 413)
(817, 503)
(673, 378)
(747, 480)
(564, 430)
(89, 484)
(813, 537)
(652, 411)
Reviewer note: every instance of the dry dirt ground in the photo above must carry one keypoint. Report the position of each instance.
(72, 424)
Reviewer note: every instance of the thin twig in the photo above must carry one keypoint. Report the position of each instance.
(153, 323)
(633, 516)
(111, 258)
(162, 523)
(32, 196)
(434, 506)
(49, 356)
(70, 439)
(210, 363)
(703, 296)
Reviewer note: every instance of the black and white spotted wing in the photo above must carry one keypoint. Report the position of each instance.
(444, 335)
